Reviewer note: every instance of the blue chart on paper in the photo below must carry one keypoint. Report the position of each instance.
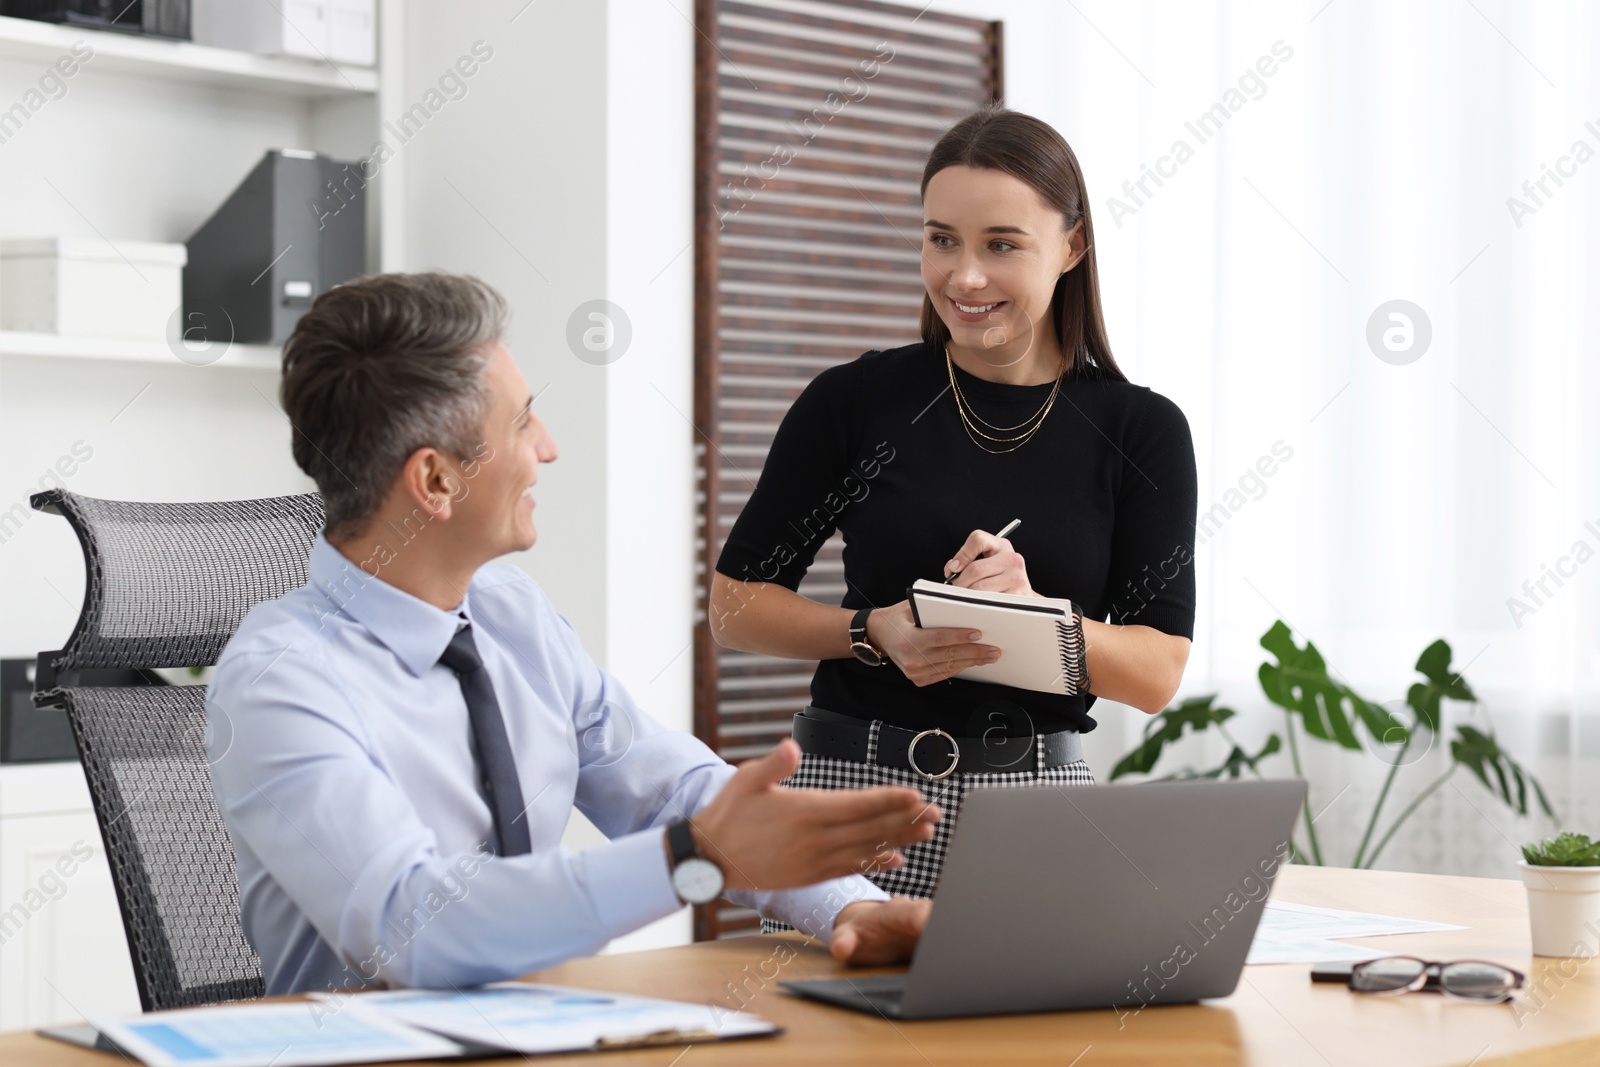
(236, 1036)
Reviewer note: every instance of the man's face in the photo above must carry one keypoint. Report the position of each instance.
(498, 504)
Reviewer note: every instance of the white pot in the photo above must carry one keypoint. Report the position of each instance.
(1563, 909)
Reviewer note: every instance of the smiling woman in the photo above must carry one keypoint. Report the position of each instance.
(1006, 224)
(1011, 407)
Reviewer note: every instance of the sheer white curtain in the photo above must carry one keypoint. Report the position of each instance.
(1303, 167)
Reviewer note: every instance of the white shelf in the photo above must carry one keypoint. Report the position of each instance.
(55, 346)
(42, 43)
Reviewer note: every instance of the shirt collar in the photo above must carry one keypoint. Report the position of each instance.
(414, 630)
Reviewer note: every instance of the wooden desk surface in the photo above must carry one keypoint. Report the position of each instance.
(1276, 1016)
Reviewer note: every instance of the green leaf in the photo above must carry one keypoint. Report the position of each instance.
(1299, 684)
(1165, 728)
(1481, 754)
(1234, 766)
(1424, 699)
(1434, 662)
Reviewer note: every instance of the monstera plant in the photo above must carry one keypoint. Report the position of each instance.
(1317, 707)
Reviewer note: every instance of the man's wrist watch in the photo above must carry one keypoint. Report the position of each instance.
(863, 649)
(695, 879)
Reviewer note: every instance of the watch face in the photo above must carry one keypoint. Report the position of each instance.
(697, 881)
(867, 654)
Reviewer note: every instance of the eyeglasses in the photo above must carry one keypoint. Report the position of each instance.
(1477, 981)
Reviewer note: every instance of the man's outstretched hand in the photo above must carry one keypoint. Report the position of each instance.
(872, 933)
(767, 837)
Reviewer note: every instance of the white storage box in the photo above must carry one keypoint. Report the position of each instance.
(84, 287)
(344, 31)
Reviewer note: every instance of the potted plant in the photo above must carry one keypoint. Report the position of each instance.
(1562, 876)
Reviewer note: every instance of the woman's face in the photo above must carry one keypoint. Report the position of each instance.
(992, 250)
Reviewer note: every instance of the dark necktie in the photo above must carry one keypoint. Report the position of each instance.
(496, 765)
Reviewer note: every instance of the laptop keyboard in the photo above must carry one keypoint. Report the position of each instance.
(879, 993)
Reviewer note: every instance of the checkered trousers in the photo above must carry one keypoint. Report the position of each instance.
(920, 874)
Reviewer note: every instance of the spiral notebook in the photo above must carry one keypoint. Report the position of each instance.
(1040, 649)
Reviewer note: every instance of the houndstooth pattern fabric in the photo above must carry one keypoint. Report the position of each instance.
(919, 876)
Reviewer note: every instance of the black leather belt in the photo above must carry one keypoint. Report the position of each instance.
(933, 754)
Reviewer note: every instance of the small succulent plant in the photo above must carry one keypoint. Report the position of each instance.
(1563, 850)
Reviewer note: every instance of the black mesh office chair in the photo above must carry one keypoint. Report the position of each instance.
(167, 585)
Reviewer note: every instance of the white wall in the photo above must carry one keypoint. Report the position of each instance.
(504, 183)
(649, 545)
(650, 398)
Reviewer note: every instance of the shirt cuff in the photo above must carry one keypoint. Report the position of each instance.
(628, 881)
(810, 909)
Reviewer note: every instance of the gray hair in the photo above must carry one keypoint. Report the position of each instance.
(380, 367)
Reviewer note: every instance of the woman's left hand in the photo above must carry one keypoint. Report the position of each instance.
(990, 563)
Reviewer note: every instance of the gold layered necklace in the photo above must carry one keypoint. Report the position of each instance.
(1029, 426)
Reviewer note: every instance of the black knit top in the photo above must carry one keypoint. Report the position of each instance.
(1105, 491)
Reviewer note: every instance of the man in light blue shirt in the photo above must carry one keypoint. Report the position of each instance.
(397, 746)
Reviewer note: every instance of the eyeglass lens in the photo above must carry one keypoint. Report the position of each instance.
(1468, 979)
(1387, 975)
(1476, 981)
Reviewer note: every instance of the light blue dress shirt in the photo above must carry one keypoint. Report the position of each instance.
(342, 766)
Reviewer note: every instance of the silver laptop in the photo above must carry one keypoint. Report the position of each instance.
(1118, 896)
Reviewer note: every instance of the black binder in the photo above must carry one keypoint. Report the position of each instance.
(295, 227)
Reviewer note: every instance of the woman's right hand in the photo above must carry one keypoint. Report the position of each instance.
(926, 656)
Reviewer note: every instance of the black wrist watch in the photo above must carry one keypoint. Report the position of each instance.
(695, 879)
(859, 644)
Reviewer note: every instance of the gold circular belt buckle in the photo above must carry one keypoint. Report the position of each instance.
(955, 755)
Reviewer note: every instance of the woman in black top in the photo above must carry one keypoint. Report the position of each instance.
(1011, 407)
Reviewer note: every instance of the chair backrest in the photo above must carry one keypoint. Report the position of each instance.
(167, 585)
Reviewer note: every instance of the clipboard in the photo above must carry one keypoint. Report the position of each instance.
(534, 1019)
(413, 1024)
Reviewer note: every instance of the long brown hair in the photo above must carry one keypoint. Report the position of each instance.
(1029, 150)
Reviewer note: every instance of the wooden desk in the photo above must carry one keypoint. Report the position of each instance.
(1276, 1016)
